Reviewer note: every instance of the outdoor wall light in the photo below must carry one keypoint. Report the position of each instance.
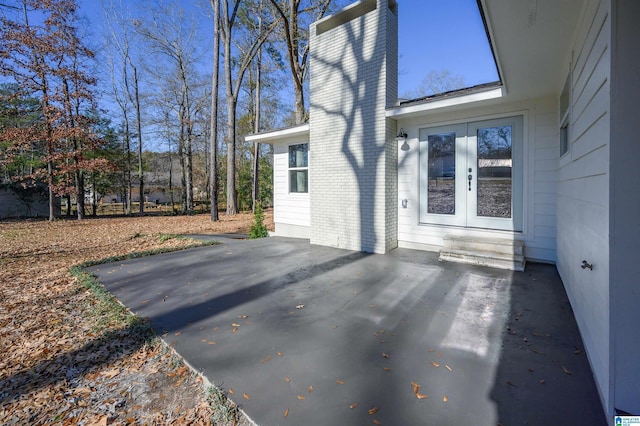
(402, 137)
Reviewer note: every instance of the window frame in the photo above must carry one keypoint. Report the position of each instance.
(296, 169)
(565, 115)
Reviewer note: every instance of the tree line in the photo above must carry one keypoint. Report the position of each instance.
(81, 116)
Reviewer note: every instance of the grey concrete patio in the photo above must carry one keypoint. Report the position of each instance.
(309, 335)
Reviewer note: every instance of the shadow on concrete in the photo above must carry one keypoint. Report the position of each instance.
(327, 335)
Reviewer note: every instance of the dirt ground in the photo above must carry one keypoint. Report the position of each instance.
(66, 359)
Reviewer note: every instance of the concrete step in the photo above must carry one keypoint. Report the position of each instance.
(496, 245)
(492, 252)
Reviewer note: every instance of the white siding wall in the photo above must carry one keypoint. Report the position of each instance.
(625, 204)
(290, 210)
(540, 165)
(583, 190)
(353, 77)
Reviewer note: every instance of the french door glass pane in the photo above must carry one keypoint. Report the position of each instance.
(441, 197)
(495, 171)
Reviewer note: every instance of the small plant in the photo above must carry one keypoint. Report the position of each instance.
(258, 229)
(167, 237)
(224, 411)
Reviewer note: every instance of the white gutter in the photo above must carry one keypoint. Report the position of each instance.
(276, 135)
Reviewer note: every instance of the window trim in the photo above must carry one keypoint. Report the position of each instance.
(564, 116)
(297, 169)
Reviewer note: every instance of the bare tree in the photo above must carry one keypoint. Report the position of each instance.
(297, 43)
(242, 58)
(436, 82)
(173, 39)
(213, 132)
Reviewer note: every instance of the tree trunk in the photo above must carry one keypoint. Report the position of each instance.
(256, 129)
(138, 117)
(213, 136)
(232, 195)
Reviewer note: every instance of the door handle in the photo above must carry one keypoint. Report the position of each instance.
(470, 178)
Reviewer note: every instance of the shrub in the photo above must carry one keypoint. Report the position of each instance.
(258, 228)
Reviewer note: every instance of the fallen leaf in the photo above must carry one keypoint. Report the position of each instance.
(234, 330)
(431, 351)
(288, 380)
(386, 368)
(215, 328)
(246, 396)
(510, 383)
(267, 359)
(421, 396)
(279, 353)
(177, 333)
(416, 387)
(538, 352)
(243, 316)
(211, 343)
(111, 373)
(445, 399)
(542, 382)
(286, 412)
(231, 391)
(385, 355)
(531, 370)
(448, 368)
(340, 382)
(373, 306)
(299, 306)
(435, 364)
(352, 406)
(301, 397)
(310, 389)
(235, 325)
(376, 422)
(373, 410)
(100, 422)
(566, 371)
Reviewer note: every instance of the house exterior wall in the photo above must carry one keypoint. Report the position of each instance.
(353, 77)
(291, 211)
(540, 164)
(624, 220)
(32, 203)
(583, 191)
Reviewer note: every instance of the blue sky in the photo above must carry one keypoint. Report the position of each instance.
(433, 35)
(442, 35)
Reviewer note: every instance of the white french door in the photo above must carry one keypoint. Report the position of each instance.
(471, 174)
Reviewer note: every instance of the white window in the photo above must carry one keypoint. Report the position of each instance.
(299, 168)
(565, 107)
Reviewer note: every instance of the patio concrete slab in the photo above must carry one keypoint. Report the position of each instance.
(302, 334)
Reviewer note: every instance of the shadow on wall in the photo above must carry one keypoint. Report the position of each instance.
(364, 68)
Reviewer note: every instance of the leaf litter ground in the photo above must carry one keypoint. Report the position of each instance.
(68, 360)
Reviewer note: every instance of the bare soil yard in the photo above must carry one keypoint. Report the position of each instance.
(67, 358)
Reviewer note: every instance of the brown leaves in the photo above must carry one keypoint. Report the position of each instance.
(416, 391)
(110, 373)
(246, 396)
(35, 258)
(373, 410)
(567, 372)
(340, 382)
